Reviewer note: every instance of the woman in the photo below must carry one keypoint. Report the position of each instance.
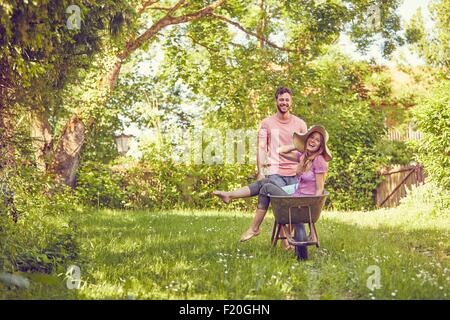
(311, 151)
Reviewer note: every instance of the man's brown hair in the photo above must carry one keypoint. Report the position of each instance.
(282, 90)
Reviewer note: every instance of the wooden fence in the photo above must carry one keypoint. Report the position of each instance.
(396, 180)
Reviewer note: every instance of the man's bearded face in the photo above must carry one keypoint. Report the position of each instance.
(284, 103)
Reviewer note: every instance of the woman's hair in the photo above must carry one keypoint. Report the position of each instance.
(306, 159)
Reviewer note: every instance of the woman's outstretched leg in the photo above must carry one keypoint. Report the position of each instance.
(244, 192)
(263, 205)
(226, 197)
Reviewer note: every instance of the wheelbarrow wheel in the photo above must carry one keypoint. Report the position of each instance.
(300, 235)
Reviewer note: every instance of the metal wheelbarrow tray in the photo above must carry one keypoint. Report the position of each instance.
(291, 215)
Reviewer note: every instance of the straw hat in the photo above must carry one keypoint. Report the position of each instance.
(299, 140)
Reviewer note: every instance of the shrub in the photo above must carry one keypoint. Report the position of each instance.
(355, 130)
(433, 120)
(44, 237)
(396, 152)
(428, 199)
(159, 182)
(99, 186)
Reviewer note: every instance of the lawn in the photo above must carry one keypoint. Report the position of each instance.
(189, 254)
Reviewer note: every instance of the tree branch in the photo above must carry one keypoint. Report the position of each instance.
(110, 79)
(180, 3)
(251, 33)
(160, 8)
(167, 20)
(145, 5)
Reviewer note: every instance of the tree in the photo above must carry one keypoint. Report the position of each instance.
(434, 45)
(432, 114)
(40, 55)
(307, 26)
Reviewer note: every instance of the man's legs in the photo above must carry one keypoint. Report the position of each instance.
(290, 180)
(277, 179)
(282, 181)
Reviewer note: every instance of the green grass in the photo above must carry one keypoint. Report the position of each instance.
(197, 255)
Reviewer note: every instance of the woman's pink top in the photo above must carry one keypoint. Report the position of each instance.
(307, 181)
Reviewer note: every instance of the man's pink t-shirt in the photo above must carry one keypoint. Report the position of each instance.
(307, 181)
(274, 133)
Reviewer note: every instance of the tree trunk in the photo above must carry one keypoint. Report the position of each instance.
(261, 27)
(42, 139)
(66, 157)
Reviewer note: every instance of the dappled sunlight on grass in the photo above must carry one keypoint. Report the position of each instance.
(193, 254)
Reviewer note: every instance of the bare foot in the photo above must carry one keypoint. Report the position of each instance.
(222, 195)
(247, 235)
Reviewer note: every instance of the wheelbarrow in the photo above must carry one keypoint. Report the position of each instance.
(291, 215)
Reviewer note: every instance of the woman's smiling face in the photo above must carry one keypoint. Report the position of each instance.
(313, 142)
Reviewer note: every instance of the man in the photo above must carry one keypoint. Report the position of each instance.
(275, 131)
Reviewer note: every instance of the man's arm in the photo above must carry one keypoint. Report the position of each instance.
(288, 151)
(261, 152)
(303, 128)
